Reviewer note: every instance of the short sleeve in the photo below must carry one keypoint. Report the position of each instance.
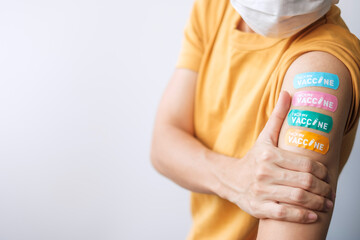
(344, 46)
(192, 48)
(340, 43)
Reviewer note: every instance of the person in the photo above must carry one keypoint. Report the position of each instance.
(259, 117)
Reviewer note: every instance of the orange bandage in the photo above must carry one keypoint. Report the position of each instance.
(307, 140)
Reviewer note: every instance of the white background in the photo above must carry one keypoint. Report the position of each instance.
(79, 86)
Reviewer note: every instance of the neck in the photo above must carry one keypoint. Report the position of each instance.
(242, 26)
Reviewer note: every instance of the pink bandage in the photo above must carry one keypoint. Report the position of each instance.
(315, 99)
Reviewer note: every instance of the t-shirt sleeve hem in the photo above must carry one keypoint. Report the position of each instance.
(189, 61)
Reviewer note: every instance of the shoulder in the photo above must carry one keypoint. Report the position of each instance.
(320, 61)
(309, 66)
(329, 46)
(208, 14)
(210, 9)
(329, 32)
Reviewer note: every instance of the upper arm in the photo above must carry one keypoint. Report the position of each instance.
(327, 123)
(177, 103)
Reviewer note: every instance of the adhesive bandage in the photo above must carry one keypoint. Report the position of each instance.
(307, 140)
(316, 79)
(309, 119)
(315, 99)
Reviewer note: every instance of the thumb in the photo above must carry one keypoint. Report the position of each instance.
(271, 131)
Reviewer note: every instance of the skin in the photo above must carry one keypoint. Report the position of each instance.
(178, 155)
(314, 62)
(283, 186)
(311, 62)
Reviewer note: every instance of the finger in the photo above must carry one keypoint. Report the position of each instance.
(299, 197)
(297, 162)
(287, 213)
(273, 126)
(305, 181)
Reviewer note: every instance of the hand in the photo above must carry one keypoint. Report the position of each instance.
(268, 176)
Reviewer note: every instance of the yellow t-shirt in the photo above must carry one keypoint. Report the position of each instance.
(239, 80)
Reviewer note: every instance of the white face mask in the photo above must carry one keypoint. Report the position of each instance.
(281, 18)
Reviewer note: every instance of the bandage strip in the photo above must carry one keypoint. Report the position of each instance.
(315, 99)
(307, 140)
(309, 119)
(316, 79)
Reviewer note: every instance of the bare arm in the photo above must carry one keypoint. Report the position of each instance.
(175, 152)
(313, 62)
(178, 155)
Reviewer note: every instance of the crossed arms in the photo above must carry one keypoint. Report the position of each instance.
(286, 187)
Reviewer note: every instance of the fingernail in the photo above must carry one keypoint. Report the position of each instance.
(329, 204)
(312, 216)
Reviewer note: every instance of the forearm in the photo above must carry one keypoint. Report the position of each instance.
(182, 158)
